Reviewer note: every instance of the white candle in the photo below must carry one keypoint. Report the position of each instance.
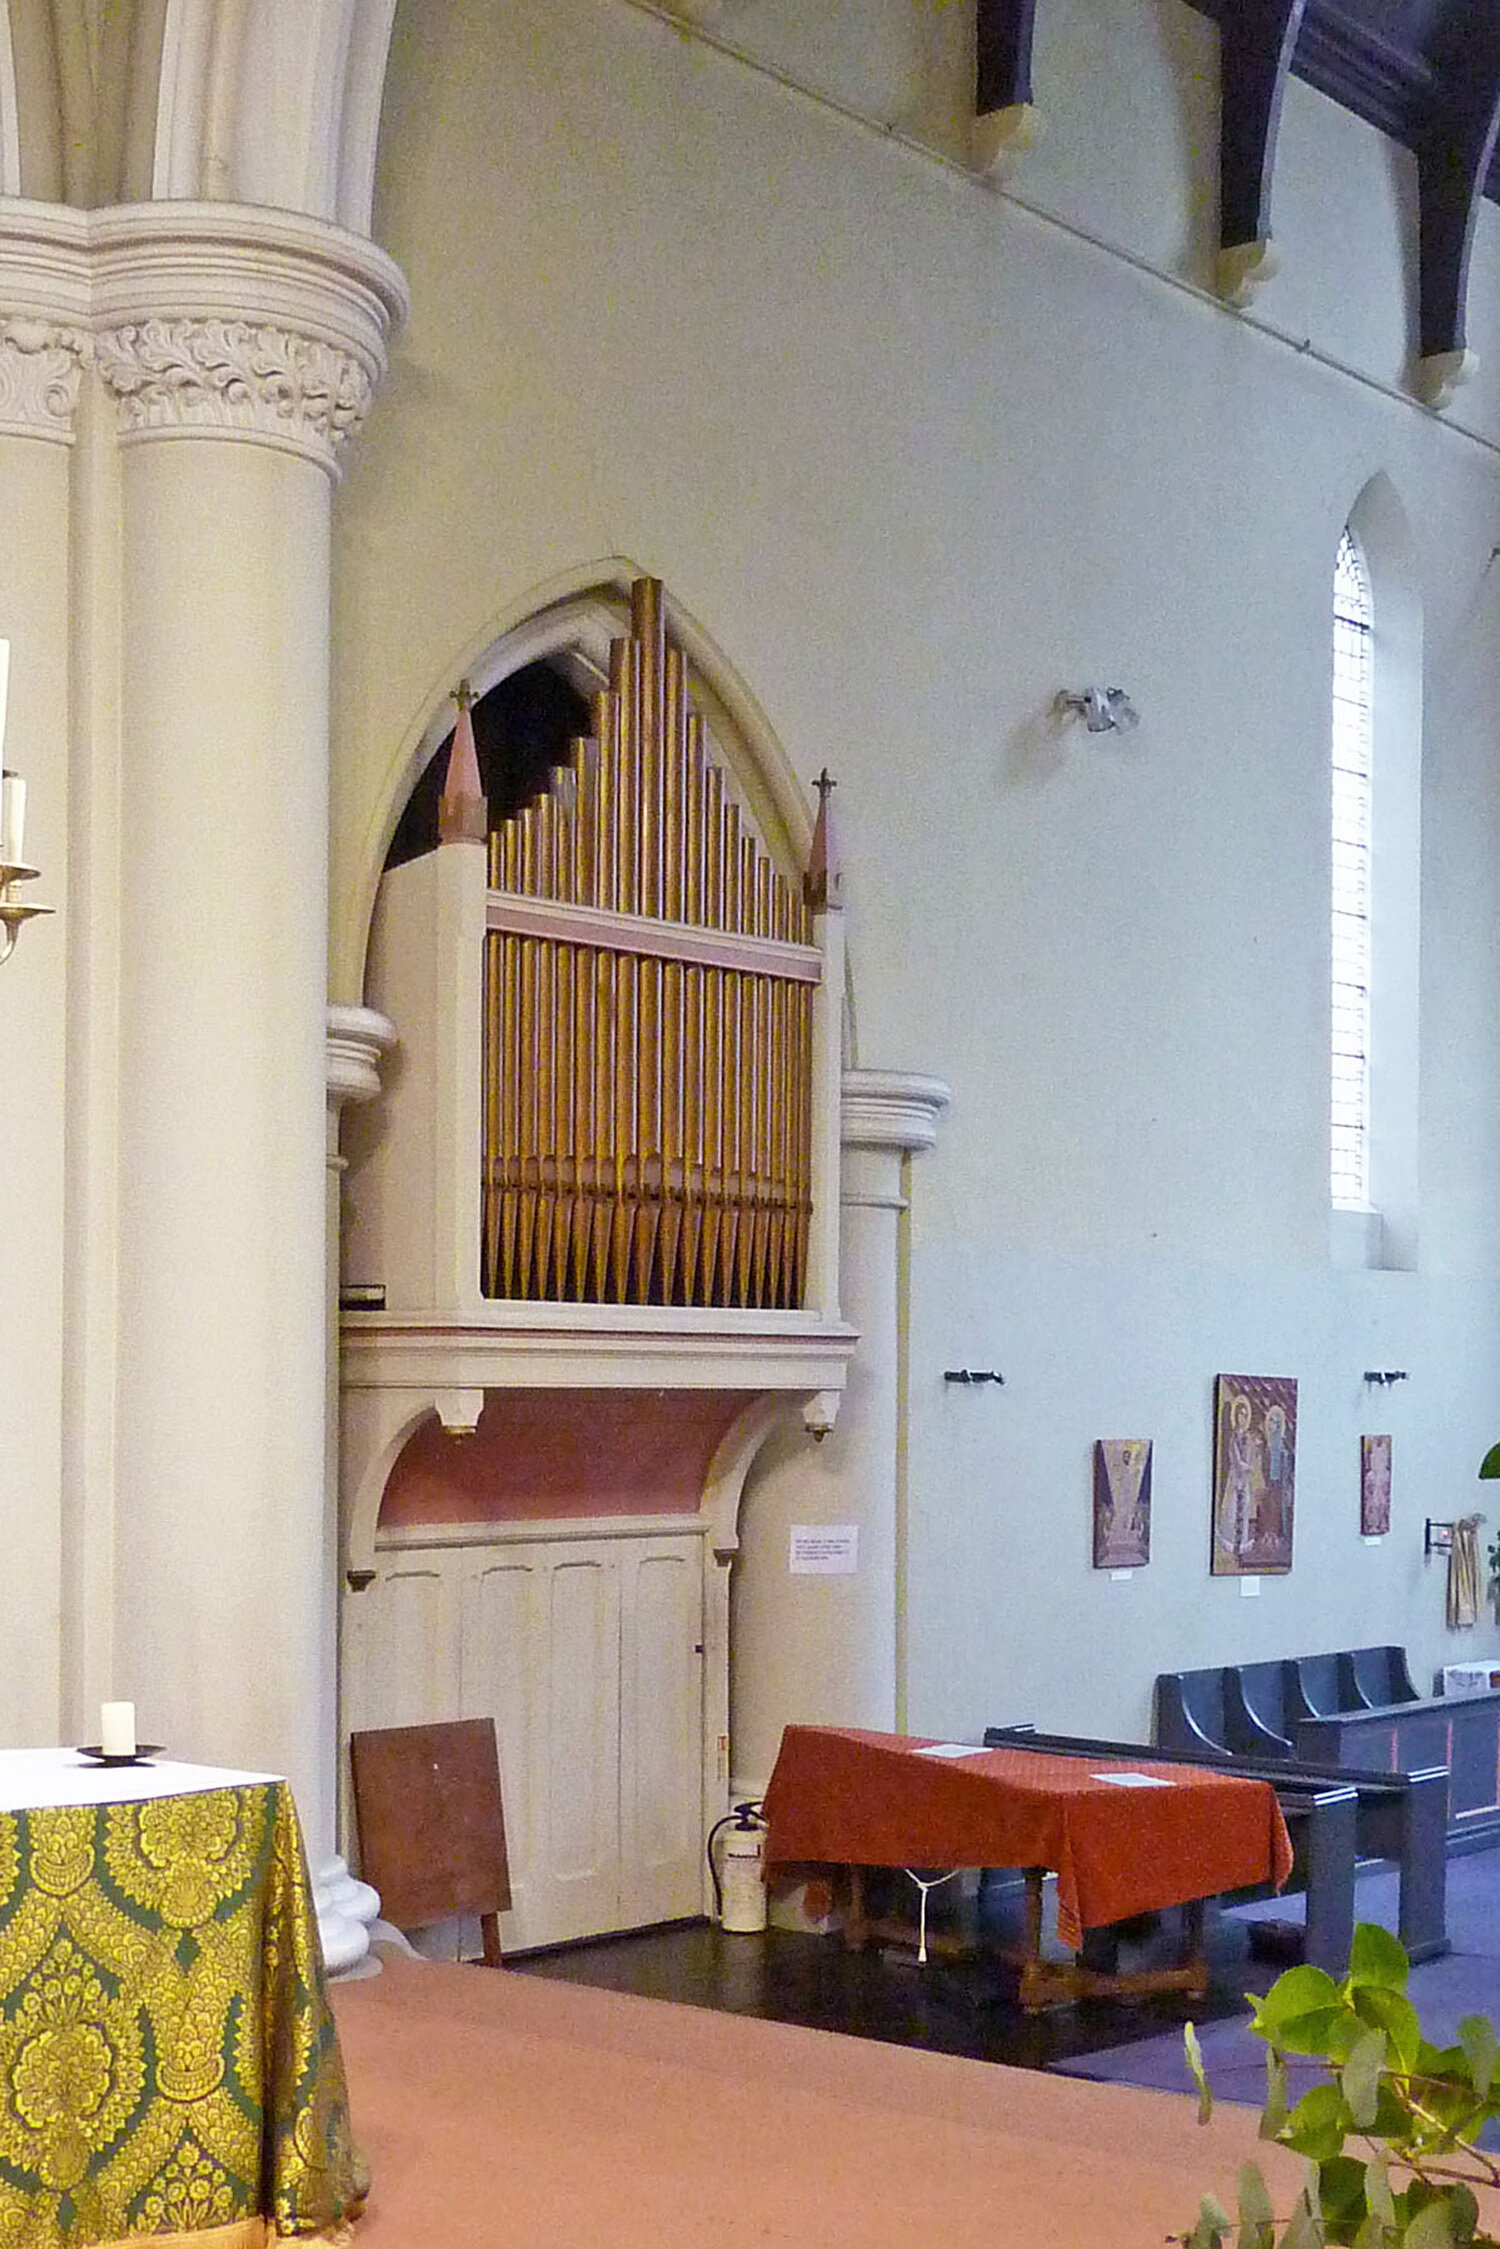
(117, 1729)
(12, 819)
(4, 683)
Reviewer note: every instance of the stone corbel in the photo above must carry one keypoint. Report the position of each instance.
(1257, 40)
(1006, 122)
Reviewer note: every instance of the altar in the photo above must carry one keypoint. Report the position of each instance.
(168, 2061)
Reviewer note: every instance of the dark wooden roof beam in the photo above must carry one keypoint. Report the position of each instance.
(1005, 118)
(1257, 41)
(1453, 163)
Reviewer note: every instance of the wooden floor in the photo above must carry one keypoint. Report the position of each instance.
(525, 2111)
(964, 2006)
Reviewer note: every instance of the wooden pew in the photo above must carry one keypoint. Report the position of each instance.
(1334, 1817)
(1356, 1710)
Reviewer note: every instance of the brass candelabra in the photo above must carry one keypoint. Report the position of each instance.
(13, 912)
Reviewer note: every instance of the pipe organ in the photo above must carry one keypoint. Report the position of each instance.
(648, 996)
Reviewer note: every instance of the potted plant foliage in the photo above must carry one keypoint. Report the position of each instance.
(1389, 2133)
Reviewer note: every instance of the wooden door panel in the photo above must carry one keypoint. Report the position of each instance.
(661, 1725)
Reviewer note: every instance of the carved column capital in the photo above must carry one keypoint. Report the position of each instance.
(45, 342)
(41, 370)
(235, 378)
(214, 321)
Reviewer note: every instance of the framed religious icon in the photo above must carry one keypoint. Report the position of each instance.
(1255, 1460)
(1374, 1486)
(1122, 1503)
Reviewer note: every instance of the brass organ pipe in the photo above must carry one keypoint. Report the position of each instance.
(627, 800)
(546, 1135)
(693, 817)
(490, 1184)
(617, 756)
(602, 819)
(766, 1267)
(673, 775)
(605, 1017)
(713, 847)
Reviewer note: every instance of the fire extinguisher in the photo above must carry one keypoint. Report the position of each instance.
(739, 1891)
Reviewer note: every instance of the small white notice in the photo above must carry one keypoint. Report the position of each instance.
(1132, 1780)
(950, 1749)
(1249, 1588)
(824, 1550)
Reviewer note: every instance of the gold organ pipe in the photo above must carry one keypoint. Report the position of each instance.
(693, 816)
(646, 1133)
(713, 854)
(541, 1142)
(627, 797)
(673, 779)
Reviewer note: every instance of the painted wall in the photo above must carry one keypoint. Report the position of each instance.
(916, 454)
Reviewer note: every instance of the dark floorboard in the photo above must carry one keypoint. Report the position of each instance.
(952, 2006)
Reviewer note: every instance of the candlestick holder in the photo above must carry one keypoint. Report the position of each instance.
(12, 911)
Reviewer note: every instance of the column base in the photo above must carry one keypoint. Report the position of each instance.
(345, 1908)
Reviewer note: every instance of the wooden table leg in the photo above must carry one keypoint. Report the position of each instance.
(1053, 1983)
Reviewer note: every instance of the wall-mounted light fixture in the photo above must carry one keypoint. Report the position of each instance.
(1104, 710)
(13, 866)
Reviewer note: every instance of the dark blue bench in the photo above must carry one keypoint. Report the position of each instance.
(1334, 1817)
(1356, 1710)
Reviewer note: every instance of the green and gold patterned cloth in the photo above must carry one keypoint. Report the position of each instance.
(168, 2060)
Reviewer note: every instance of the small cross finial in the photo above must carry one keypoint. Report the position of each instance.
(820, 885)
(463, 695)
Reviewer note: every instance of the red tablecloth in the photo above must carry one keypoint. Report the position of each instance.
(847, 1798)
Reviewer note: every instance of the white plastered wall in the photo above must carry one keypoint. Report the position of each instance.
(917, 456)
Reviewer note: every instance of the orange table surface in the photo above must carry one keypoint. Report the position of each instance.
(845, 1797)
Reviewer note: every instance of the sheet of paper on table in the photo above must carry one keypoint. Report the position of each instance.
(1132, 1780)
(950, 1749)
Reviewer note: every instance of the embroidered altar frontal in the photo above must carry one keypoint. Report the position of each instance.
(168, 2060)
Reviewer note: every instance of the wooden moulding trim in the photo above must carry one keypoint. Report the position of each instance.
(524, 1530)
(662, 940)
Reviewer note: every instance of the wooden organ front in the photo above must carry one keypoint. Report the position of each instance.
(647, 1020)
(605, 1157)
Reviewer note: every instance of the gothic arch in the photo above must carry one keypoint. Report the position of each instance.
(580, 616)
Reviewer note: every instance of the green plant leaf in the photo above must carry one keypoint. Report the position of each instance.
(1378, 2198)
(1376, 1957)
(1341, 2192)
(1373, 2234)
(1481, 2050)
(1436, 2227)
(1274, 2114)
(1304, 2230)
(1360, 2078)
(1212, 2229)
(1319, 2123)
(1390, 2012)
(1300, 1991)
(1256, 2207)
(1194, 2054)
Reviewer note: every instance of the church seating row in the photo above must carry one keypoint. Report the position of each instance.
(1335, 1818)
(1355, 1709)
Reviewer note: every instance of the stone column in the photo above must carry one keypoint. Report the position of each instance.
(43, 345)
(825, 1650)
(242, 348)
(357, 1039)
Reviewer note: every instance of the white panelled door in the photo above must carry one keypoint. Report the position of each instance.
(587, 1652)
